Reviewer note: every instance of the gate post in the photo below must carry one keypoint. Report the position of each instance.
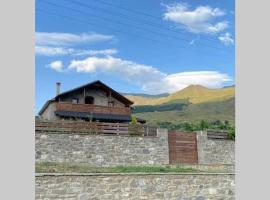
(162, 134)
(201, 141)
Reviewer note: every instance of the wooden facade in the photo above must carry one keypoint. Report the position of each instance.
(95, 101)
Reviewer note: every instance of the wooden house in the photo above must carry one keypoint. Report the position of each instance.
(93, 101)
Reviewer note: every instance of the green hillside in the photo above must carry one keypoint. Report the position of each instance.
(190, 105)
(194, 113)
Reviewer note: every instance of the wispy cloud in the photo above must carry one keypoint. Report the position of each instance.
(226, 39)
(211, 79)
(64, 51)
(67, 39)
(56, 65)
(149, 78)
(105, 52)
(198, 20)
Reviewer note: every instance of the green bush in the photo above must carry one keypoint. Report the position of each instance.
(232, 133)
(133, 120)
(202, 125)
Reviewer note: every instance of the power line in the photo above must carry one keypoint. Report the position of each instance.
(126, 17)
(141, 13)
(116, 30)
(128, 9)
(117, 22)
(87, 22)
(110, 20)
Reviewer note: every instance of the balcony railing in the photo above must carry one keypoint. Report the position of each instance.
(66, 106)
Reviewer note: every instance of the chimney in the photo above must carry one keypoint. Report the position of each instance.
(58, 85)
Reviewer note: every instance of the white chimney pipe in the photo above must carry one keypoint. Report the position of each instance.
(58, 85)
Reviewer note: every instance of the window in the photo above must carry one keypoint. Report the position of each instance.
(75, 100)
(111, 103)
(89, 100)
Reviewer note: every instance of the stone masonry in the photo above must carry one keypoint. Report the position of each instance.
(213, 151)
(103, 150)
(135, 186)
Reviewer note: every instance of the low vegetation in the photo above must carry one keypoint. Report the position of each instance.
(51, 167)
(193, 113)
(202, 125)
(173, 105)
(232, 133)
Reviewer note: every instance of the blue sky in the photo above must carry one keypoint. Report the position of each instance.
(133, 45)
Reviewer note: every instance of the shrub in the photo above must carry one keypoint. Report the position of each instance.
(133, 120)
(231, 132)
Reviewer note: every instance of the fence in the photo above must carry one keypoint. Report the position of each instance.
(217, 134)
(67, 126)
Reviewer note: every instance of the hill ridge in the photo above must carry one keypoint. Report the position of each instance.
(194, 93)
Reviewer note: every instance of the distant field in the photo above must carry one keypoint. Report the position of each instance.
(194, 113)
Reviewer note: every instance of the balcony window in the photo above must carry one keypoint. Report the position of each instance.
(75, 101)
(89, 100)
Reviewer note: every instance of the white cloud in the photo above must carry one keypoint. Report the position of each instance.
(56, 65)
(226, 39)
(66, 39)
(199, 20)
(149, 78)
(136, 73)
(63, 51)
(211, 79)
(53, 51)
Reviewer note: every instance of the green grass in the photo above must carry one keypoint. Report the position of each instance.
(51, 167)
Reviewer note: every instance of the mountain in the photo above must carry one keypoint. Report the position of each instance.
(191, 104)
(193, 93)
(229, 86)
(146, 95)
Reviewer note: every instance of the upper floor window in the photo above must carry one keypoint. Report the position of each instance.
(75, 100)
(111, 103)
(89, 100)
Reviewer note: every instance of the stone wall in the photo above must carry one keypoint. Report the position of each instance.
(215, 151)
(135, 186)
(103, 150)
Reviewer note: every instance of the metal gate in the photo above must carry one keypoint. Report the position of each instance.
(183, 148)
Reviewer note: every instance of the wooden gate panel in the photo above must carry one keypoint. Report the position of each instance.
(183, 148)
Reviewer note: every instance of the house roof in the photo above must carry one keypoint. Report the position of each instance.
(99, 84)
(96, 83)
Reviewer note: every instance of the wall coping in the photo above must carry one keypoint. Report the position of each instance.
(128, 174)
(89, 134)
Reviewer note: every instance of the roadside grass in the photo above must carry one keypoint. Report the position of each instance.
(52, 167)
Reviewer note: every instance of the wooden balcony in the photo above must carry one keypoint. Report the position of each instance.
(66, 106)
